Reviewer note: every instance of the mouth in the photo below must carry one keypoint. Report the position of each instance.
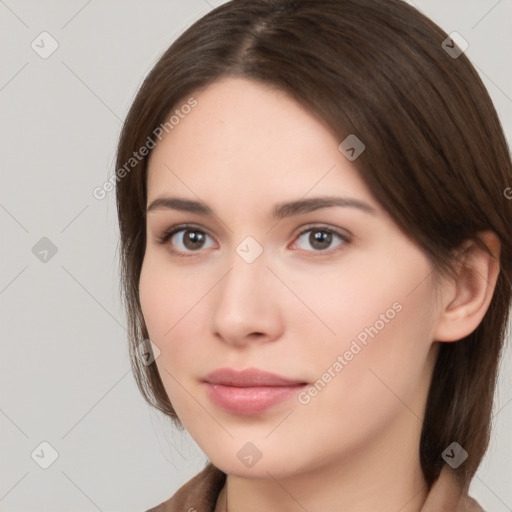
(250, 391)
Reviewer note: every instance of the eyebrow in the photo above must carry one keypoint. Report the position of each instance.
(280, 211)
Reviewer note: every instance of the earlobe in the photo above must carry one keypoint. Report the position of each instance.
(466, 298)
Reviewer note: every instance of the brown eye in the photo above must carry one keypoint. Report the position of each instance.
(193, 239)
(190, 240)
(320, 239)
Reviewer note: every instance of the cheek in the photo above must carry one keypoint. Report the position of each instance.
(173, 305)
(167, 305)
(378, 381)
(383, 323)
(166, 295)
(377, 315)
(367, 292)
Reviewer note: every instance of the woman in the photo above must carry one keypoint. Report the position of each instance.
(314, 238)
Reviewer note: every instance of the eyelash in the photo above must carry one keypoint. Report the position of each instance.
(169, 233)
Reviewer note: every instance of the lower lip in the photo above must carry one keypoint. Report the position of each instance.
(251, 400)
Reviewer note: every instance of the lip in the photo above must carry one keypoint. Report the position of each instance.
(250, 377)
(250, 391)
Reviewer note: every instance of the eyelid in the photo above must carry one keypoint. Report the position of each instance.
(342, 233)
(345, 235)
(168, 233)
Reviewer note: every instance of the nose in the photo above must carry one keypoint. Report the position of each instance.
(246, 304)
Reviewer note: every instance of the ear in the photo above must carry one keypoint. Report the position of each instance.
(466, 298)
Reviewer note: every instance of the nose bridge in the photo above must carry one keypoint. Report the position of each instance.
(244, 301)
(245, 282)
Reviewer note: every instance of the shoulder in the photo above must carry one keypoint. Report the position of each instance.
(199, 494)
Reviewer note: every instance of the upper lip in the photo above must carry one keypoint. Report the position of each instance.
(250, 377)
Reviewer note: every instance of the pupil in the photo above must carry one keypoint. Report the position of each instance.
(320, 239)
(193, 240)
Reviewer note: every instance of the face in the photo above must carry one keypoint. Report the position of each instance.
(266, 251)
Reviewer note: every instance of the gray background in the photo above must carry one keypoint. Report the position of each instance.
(65, 374)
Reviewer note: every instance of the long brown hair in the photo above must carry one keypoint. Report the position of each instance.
(436, 159)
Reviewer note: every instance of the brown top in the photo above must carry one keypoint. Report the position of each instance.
(200, 494)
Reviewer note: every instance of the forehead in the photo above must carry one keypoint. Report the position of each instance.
(247, 139)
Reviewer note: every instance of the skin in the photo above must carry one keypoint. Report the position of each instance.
(354, 446)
